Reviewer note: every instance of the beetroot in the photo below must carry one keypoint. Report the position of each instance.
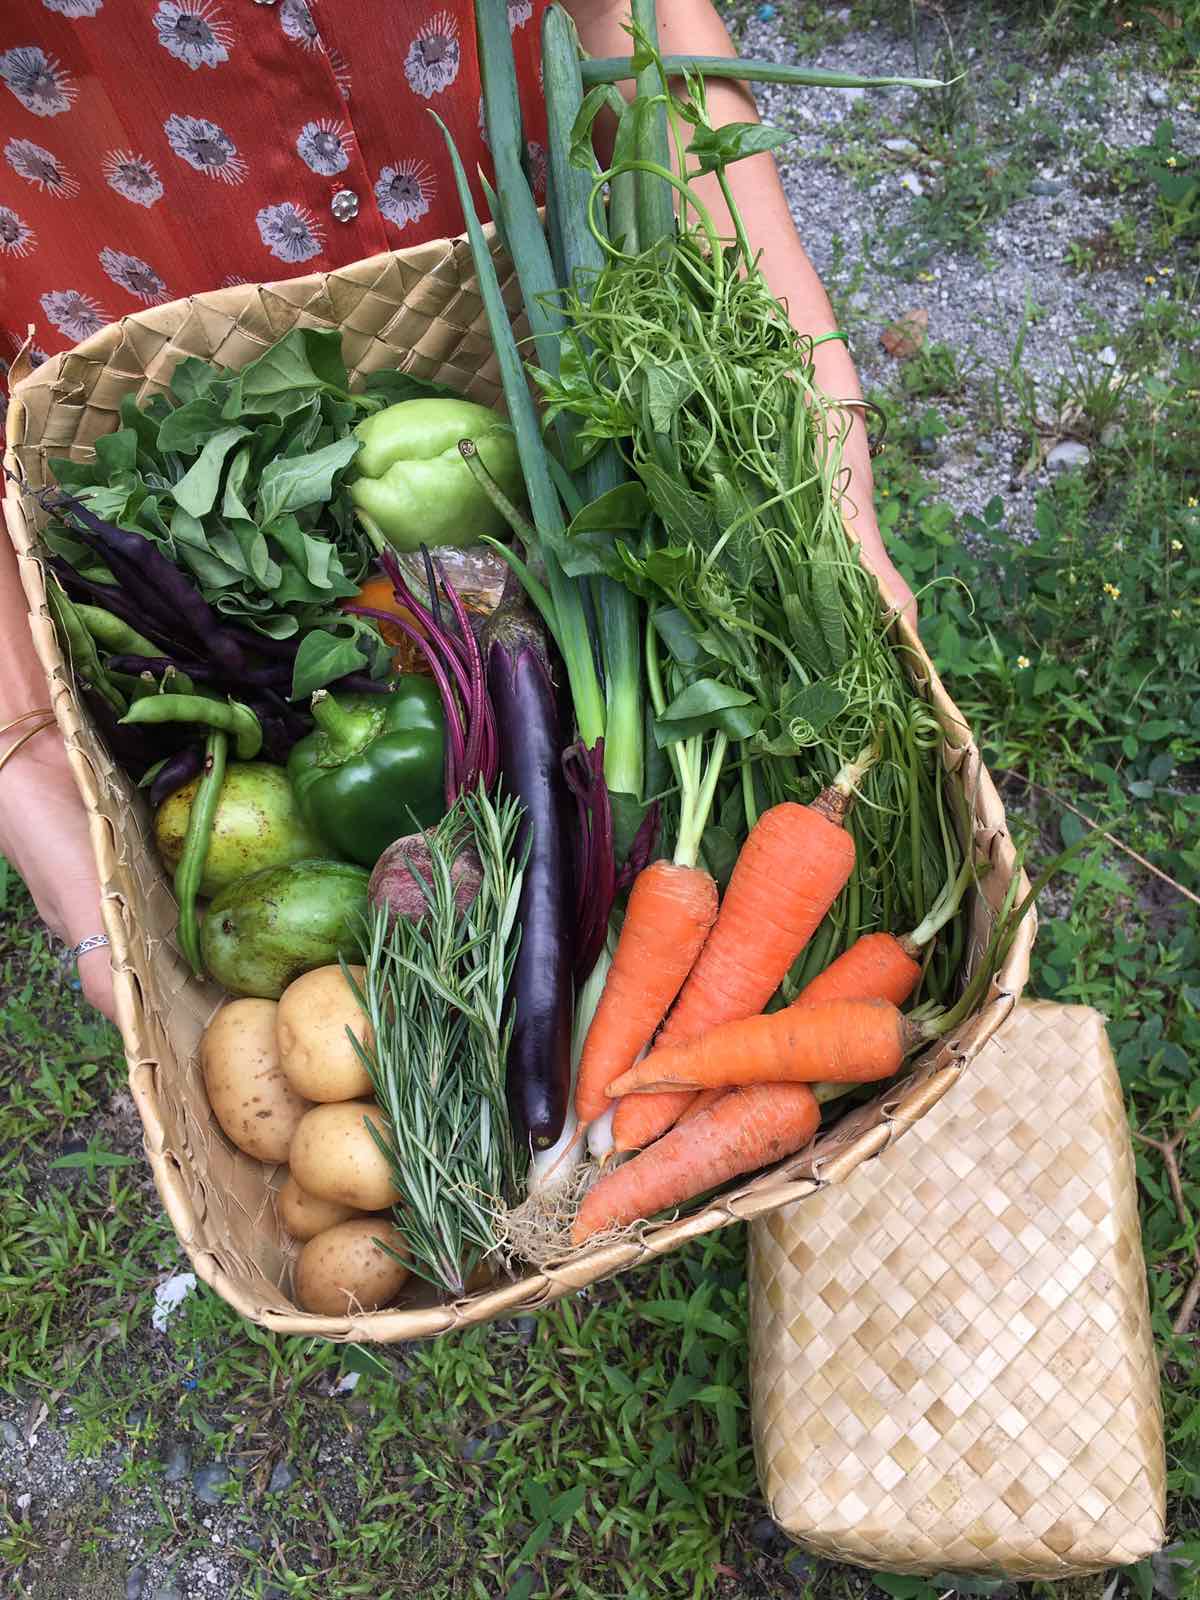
(393, 883)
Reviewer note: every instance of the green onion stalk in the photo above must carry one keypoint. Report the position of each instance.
(595, 625)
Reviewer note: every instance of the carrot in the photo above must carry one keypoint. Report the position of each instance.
(670, 910)
(747, 1129)
(640, 1118)
(875, 967)
(791, 869)
(697, 1102)
(841, 1041)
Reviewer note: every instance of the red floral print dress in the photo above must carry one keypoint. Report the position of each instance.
(155, 148)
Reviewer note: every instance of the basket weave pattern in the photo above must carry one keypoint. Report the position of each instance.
(951, 1357)
(419, 309)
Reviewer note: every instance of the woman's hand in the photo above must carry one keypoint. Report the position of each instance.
(43, 825)
(44, 834)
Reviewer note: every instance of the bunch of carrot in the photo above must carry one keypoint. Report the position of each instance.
(725, 1089)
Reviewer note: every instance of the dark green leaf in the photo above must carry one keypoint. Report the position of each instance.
(392, 387)
(622, 509)
(193, 378)
(288, 484)
(116, 452)
(564, 1506)
(678, 633)
(283, 379)
(322, 658)
(718, 147)
(719, 848)
(185, 431)
(686, 517)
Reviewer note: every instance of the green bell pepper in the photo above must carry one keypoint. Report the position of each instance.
(373, 769)
(413, 485)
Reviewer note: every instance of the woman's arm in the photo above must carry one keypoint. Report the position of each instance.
(692, 27)
(43, 826)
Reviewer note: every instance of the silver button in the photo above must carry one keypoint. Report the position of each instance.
(345, 205)
(264, 2)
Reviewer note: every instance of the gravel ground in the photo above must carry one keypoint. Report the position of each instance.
(976, 299)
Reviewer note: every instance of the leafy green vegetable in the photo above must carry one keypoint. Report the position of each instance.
(240, 478)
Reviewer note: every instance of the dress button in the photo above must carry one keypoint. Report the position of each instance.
(264, 2)
(345, 205)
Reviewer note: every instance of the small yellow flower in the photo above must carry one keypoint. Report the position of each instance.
(1171, 161)
(1127, 24)
(1192, 502)
(1176, 544)
(1023, 662)
(1112, 591)
(1149, 277)
(1177, 615)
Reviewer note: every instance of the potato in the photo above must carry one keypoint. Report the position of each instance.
(318, 1059)
(250, 1097)
(343, 1270)
(334, 1156)
(304, 1216)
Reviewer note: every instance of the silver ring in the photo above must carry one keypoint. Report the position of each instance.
(94, 941)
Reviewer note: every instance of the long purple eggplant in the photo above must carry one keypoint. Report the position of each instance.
(541, 996)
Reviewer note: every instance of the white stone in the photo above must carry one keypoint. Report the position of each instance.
(1069, 456)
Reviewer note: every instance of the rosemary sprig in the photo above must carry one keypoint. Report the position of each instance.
(434, 996)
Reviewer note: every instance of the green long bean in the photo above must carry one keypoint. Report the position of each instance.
(190, 871)
(222, 716)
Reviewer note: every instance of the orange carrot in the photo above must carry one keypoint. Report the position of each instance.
(640, 1118)
(671, 908)
(748, 1129)
(841, 1041)
(876, 967)
(791, 869)
(697, 1102)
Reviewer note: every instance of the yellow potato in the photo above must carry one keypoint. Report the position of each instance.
(304, 1216)
(314, 1012)
(335, 1157)
(250, 1097)
(343, 1270)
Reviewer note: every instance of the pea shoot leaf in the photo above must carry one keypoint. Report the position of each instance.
(709, 704)
(714, 148)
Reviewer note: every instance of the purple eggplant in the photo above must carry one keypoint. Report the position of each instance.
(541, 997)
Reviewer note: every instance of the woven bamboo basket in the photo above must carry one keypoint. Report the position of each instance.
(419, 309)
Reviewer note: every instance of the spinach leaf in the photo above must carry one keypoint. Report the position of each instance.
(189, 426)
(288, 375)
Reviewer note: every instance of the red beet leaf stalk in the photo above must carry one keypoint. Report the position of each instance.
(472, 751)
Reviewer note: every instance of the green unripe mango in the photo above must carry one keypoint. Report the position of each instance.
(265, 930)
(257, 825)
